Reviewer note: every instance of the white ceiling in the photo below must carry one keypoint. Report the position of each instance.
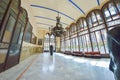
(33, 8)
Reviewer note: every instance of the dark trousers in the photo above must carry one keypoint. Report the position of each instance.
(51, 52)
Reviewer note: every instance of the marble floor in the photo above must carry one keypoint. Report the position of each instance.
(59, 67)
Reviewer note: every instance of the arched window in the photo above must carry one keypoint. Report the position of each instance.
(19, 30)
(10, 24)
(46, 43)
(81, 24)
(3, 7)
(73, 38)
(28, 33)
(12, 31)
(83, 35)
(97, 31)
(52, 41)
(4, 46)
(111, 13)
(67, 44)
(67, 40)
(23, 20)
(49, 40)
(117, 4)
(73, 28)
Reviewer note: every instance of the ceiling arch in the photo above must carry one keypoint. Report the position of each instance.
(38, 6)
(50, 19)
(42, 13)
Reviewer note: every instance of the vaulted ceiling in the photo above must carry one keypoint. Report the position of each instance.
(42, 13)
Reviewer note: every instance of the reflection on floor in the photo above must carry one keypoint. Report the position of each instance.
(59, 67)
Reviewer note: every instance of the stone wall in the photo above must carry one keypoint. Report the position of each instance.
(29, 49)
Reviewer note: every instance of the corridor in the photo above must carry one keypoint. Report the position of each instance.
(59, 67)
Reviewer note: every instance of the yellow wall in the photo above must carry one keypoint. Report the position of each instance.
(29, 49)
(42, 33)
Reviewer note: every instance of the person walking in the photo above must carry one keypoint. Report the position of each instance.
(51, 50)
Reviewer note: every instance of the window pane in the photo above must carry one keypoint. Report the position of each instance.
(81, 44)
(14, 6)
(100, 43)
(76, 47)
(99, 17)
(113, 11)
(85, 24)
(104, 37)
(9, 29)
(71, 42)
(28, 33)
(118, 6)
(3, 53)
(33, 39)
(74, 43)
(94, 20)
(46, 43)
(52, 41)
(6, 1)
(16, 35)
(78, 24)
(84, 43)
(93, 17)
(67, 45)
(107, 15)
(94, 42)
(81, 25)
(21, 35)
(89, 22)
(2, 11)
(88, 42)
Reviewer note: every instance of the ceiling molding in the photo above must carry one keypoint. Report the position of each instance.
(49, 19)
(74, 4)
(44, 24)
(38, 6)
(98, 2)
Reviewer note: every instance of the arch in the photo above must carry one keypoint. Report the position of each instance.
(93, 11)
(47, 35)
(72, 28)
(49, 39)
(19, 3)
(83, 35)
(23, 15)
(16, 6)
(43, 7)
(95, 8)
(23, 10)
(111, 13)
(105, 4)
(83, 23)
(80, 18)
(98, 31)
(94, 18)
(52, 36)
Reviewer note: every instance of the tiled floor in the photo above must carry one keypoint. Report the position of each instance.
(59, 67)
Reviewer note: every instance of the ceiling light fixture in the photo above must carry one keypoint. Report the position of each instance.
(58, 30)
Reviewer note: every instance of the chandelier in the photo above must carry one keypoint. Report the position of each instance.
(58, 30)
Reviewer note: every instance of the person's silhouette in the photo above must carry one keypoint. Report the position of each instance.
(114, 48)
(51, 50)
